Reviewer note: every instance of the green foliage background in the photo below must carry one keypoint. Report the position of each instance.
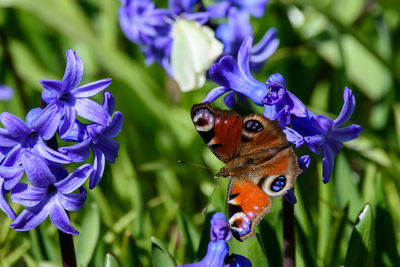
(147, 203)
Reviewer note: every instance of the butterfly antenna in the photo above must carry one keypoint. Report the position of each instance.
(195, 164)
(212, 194)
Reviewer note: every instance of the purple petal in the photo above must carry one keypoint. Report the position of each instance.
(219, 228)
(74, 180)
(36, 170)
(48, 96)
(78, 152)
(328, 160)
(4, 206)
(90, 110)
(290, 196)
(6, 92)
(7, 139)
(68, 122)
(304, 162)
(47, 122)
(77, 133)
(95, 132)
(226, 73)
(50, 154)
(91, 89)
(13, 157)
(229, 99)
(109, 102)
(115, 126)
(265, 47)
(110, 149)
(255, 7)
(219, 10)
(322, 123)
(11, 175)
(298, 109)
(98, 167)
(346, 133)
(293, 136)
(269, 112)
(283, 116)
(60, 219)
(347, 109)
(14, 125)
(244, 56)
(315, 142)
(27, 195)
(52, 88)
(31, 217)
(73, 201)
(73, 71)
(214, 94)
(240, 261)
(31, 116)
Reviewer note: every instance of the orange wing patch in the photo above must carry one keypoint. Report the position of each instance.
(247, 204)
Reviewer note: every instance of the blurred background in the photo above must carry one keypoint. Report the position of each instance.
(324, 46)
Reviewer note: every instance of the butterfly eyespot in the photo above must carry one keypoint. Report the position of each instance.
(278, 184)
(203, 119)
(253, 126)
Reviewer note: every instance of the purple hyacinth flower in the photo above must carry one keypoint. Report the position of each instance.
(323, 133)
(255, 8)
(50, 196)
(216, 253)
(98, 138)
(237, 29)
(235, 76)
(218, 249)
(280, 104)
(6, 92)
(67, 100)
(141, 21)
(23, 149)
(219, 228)
(25, 145)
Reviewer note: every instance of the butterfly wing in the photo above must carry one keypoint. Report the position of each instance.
(247, 204)
(221, 130)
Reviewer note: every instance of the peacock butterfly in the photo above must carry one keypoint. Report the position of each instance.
(258, 157)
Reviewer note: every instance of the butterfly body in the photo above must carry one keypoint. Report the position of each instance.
(259, 160)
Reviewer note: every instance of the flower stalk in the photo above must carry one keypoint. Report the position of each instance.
(289, 242)
(67, 249)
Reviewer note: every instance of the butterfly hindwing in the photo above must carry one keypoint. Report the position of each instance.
(247, 204)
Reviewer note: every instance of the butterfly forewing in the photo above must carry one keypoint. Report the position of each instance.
(221, 130)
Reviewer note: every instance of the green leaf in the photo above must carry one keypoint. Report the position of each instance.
(110, 261)
(160, 254)
(336, 235)
(251, 248)
(360, 250)
(346, 187)
(385, 236)
(89, 234)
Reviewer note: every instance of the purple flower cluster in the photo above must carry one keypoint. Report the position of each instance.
(150, 27)
(301, 126)
(30, 147)
(217, 249)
